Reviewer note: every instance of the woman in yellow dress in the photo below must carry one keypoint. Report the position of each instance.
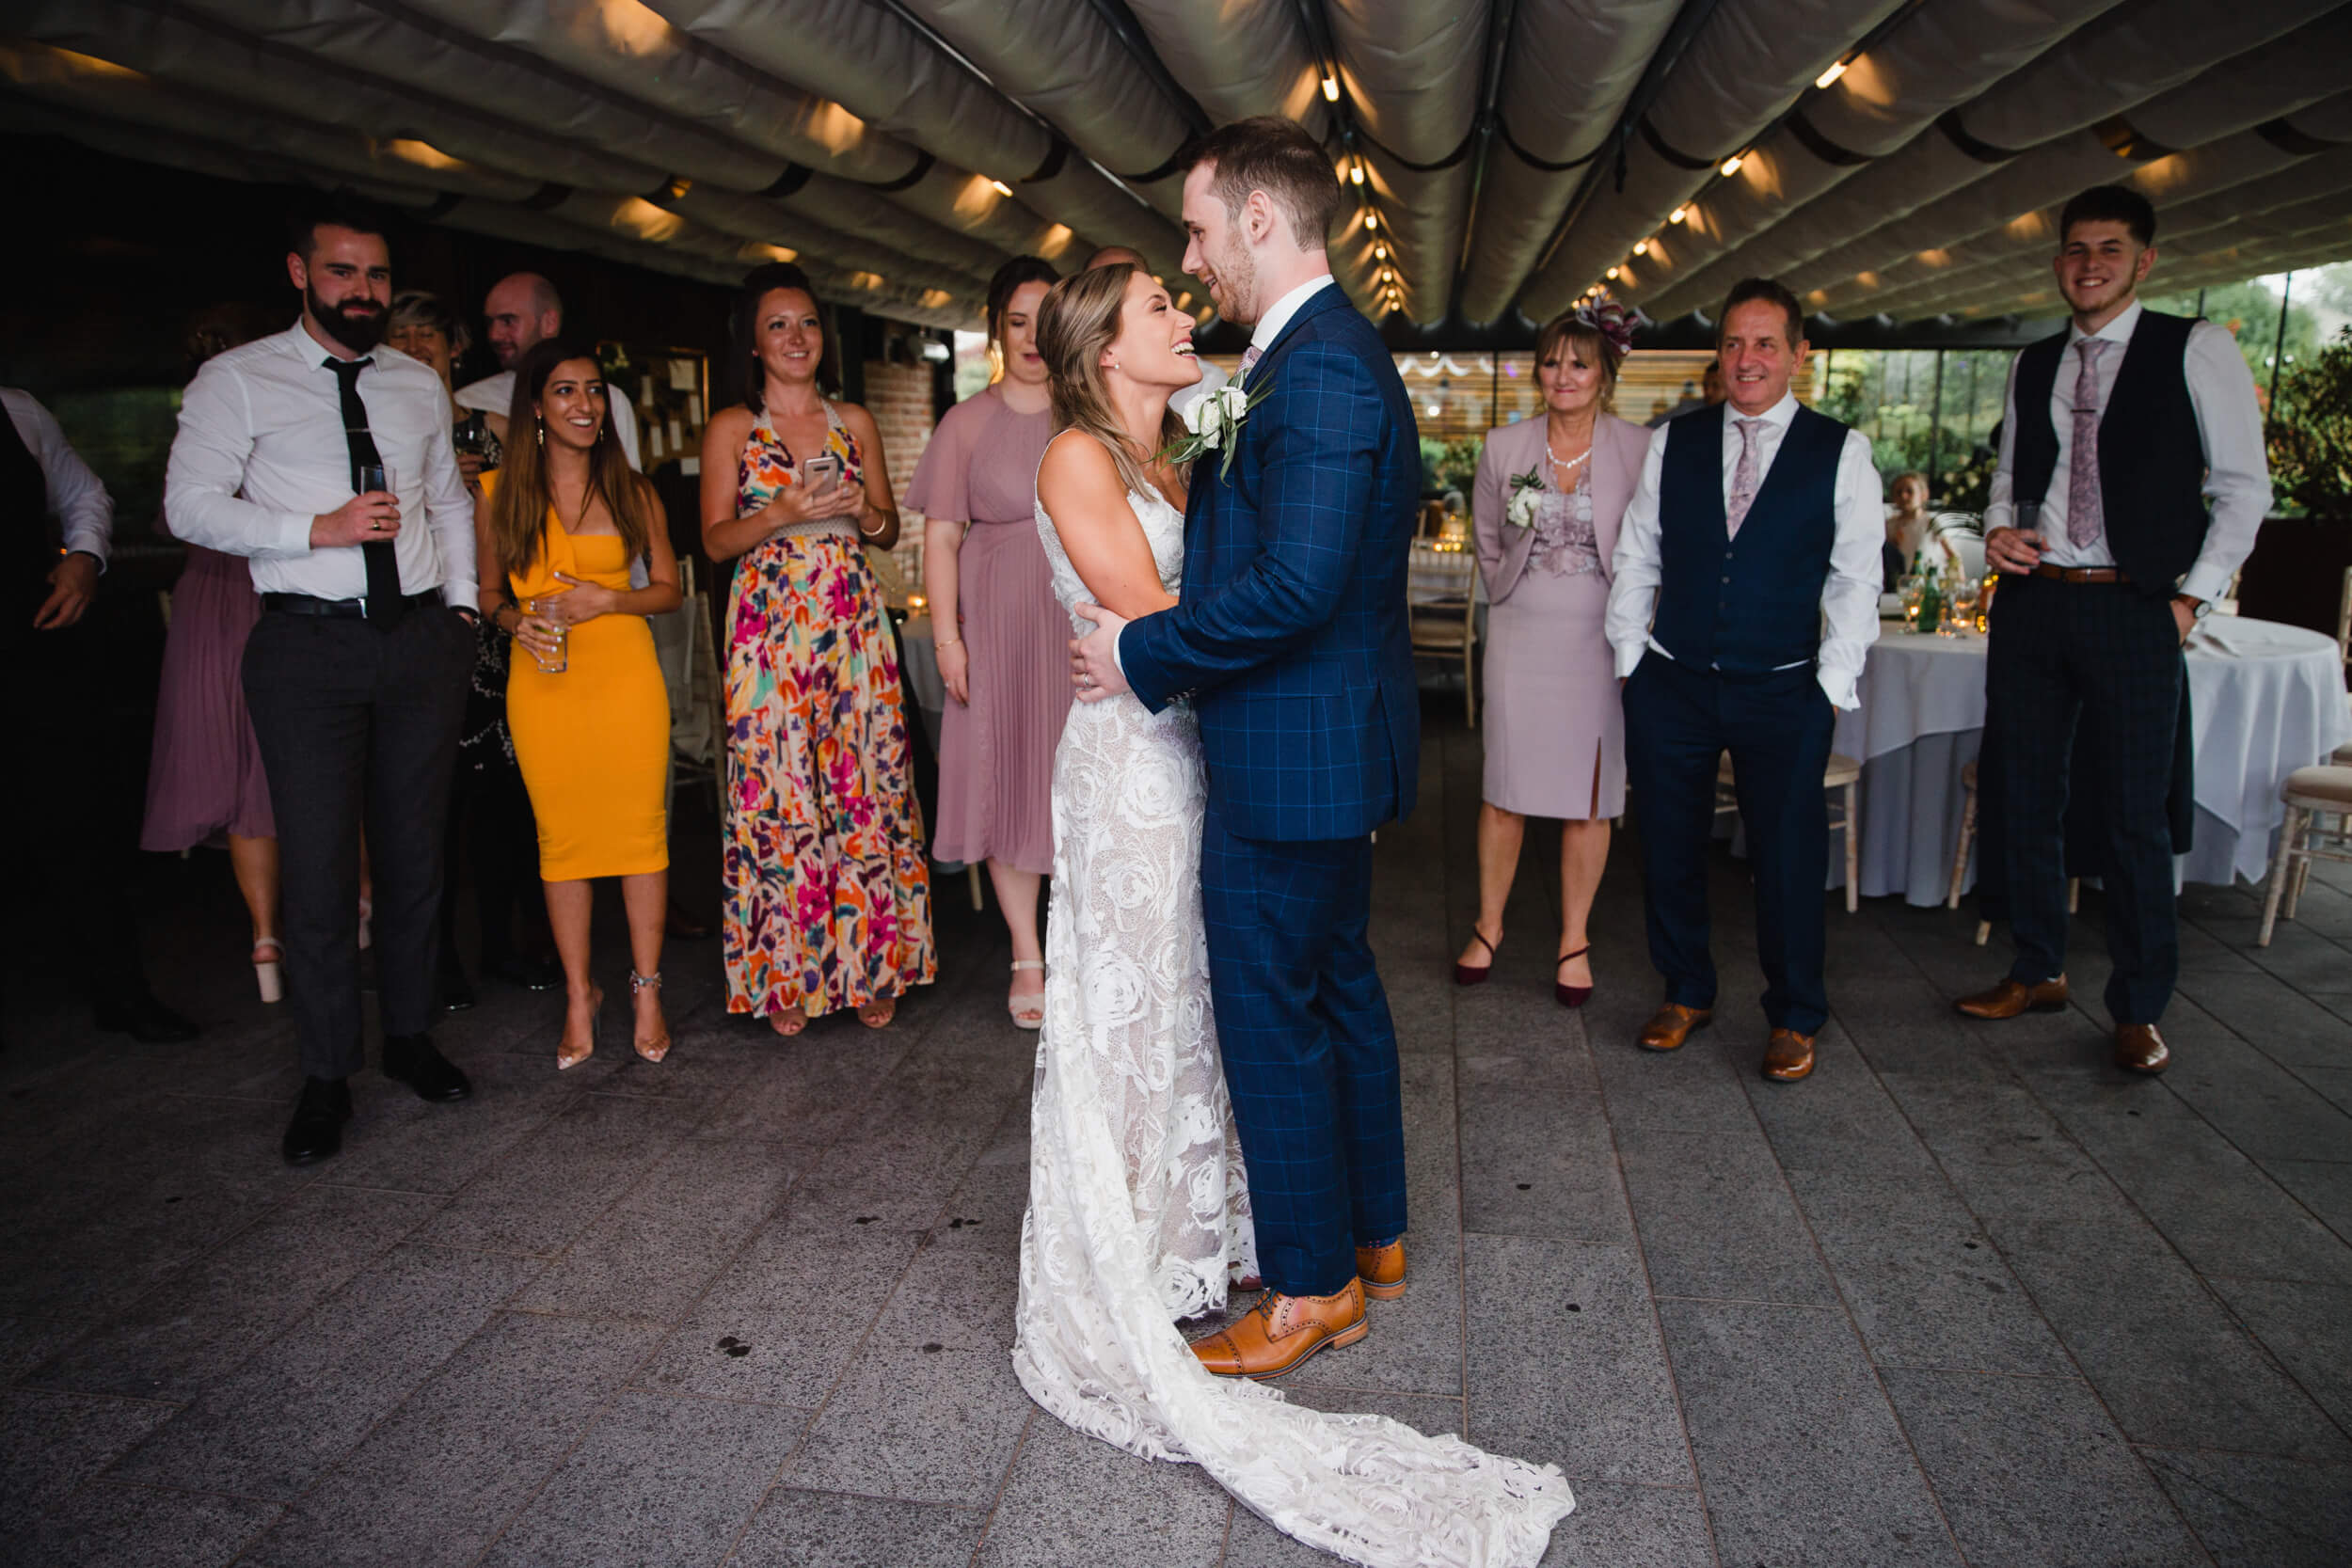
(558, 528)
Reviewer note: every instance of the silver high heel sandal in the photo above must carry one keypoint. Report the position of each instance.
(1029, 1012)
(651, 1051)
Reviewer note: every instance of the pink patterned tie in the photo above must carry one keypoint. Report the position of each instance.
(1743, 478)
(2085, 520)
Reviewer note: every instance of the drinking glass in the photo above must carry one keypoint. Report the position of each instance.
(561, 661)
(1911, 586)
(1963, 601)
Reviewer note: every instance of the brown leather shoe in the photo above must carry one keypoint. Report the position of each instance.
(1283, 1331)
(1381, 1270)
(1788, 1056)
(2013, 997)
(1671, 1026)
(2139, 1049)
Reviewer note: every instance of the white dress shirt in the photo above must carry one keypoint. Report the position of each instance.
(1850, 597)
(77, 499)
(494, 395)
(261, 452)
(2229, 421)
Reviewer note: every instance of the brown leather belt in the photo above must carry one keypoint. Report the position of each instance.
(2081, 574)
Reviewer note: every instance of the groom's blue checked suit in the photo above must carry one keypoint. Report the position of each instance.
(1292, 641)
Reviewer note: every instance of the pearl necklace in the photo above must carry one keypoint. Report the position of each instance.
(1570, 464)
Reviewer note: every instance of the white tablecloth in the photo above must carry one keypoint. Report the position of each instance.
(2264, 699)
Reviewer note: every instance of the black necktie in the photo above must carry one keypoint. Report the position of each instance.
(385, 603)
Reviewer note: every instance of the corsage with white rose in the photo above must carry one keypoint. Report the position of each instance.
(1527, 490)
(1212, 424)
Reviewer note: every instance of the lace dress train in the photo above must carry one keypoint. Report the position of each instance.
(1138, 1206)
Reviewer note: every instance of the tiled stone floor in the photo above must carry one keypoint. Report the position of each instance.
(1967, 1296)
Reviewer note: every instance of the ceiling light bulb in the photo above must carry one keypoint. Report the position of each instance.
(1002, 189)
(1331, 89)
(1679, 213)
(1641, 247)
(1357, 174)
(1826, 78)
(1371, 220)
(1731, 165)
(1611, 273)
(1380, 252)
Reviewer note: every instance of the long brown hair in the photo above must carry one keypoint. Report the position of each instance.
(1077, 322)
(519, 506)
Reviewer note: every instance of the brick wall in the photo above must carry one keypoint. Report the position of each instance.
(899, 398)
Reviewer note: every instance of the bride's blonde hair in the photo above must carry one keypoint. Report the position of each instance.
(1077, 322)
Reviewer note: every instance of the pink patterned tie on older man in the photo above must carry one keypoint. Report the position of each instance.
(1744, 479)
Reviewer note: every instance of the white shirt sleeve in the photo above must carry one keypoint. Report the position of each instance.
(625, 426)
(2000, 507)
(76, 497)
(2238, 468)
(449, 512)
(1635, 569)
(1850, 597)
(207, 470)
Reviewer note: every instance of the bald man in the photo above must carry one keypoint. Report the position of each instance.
(1211, 377)
(522, 308)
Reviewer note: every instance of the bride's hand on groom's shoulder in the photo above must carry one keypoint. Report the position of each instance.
(1094, 658)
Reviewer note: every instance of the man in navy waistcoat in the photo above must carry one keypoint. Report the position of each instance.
(1744, 596)
(2132, 481)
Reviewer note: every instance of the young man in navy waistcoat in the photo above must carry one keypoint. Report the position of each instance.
(2116, 433)
(1745, 595)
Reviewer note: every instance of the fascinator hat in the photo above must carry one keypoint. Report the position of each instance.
(1612, 319)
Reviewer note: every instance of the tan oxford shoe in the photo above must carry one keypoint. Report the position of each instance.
(1671, 1026)
(1281, 1332)
(1788, 1056)
(1381, 1270)
(2013, 997)
(2139, 1049)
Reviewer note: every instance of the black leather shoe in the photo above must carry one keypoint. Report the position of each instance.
(530, 974)
(317, 1128)
(412, 1060)
(146, 1021)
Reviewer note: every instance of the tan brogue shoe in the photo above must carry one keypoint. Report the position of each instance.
(2013, 997)
(2139, 1049)
(1671, 1026)
(1283, 1331)
(1788, 1056)
(1381, 1269)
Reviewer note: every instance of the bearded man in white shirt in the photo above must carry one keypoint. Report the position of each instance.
(2131, 484)
(325, 460)
(1743, 596)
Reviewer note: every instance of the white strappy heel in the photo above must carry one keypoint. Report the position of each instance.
(1029, 1012)
(270, 972)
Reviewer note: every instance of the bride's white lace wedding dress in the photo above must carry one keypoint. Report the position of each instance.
(1137, 1204)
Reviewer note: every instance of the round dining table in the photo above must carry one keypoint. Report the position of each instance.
(2264, 699)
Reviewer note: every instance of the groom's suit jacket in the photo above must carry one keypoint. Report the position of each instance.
(1291, 635)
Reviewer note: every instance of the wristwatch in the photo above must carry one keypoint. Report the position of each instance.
(2198, 608)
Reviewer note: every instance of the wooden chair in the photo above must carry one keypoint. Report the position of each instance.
(1840, 776)
(1442, 609)
(2313, 796)
(2343, 629)
(1967, 841)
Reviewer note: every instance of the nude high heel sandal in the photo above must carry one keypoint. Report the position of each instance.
(269, 973)
(595, 1034)
(1029, 1012)
(654, 1049)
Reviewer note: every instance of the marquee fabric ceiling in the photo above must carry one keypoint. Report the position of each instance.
(1903, 157)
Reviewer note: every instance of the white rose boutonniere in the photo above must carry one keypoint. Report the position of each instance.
(1525, 489)
(1213, 424)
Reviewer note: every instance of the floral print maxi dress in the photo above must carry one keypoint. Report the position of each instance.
(827, 888)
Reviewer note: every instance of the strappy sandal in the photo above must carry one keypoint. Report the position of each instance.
(796, 1017)
(651, 1051)
(1467, 974)
(876, 1015)
(269, 967)
(1563, 993)
(1029, 1012)
(595, 1034)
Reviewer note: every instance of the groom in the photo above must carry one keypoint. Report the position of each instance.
(1291, 641)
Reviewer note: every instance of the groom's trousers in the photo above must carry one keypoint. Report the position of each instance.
(1309, 1050)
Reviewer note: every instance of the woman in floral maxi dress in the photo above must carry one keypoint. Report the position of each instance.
(827, 893)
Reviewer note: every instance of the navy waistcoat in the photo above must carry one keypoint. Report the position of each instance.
(1753, 604)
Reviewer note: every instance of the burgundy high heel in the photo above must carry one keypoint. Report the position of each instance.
(1465, 974)
(1567, 995)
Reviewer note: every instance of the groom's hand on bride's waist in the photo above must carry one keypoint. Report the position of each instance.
(1094, 658)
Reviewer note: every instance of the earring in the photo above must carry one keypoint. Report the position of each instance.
(542, 428)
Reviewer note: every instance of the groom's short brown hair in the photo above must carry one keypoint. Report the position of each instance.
(1270, 153)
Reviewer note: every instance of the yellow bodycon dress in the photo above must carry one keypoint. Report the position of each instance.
(593, 739)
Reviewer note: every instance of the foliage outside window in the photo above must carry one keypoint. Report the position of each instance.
(2310, 449)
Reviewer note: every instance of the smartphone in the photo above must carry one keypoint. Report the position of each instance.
(821, 472)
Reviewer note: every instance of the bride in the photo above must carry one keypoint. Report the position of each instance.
(1138, 1204)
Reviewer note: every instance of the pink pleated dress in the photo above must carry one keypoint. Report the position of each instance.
(996, 753)
(204, 778)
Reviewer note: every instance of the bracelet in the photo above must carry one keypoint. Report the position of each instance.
(950, 643)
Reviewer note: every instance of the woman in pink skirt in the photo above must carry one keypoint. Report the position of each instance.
(205, 779)
(1001, 638)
